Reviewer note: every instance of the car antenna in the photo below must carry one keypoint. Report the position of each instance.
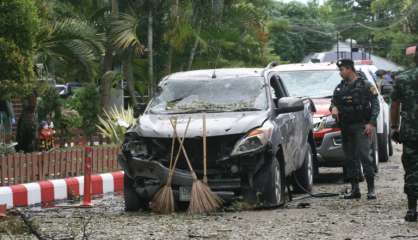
(216, 62)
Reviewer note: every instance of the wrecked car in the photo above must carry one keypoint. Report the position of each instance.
(257, 138)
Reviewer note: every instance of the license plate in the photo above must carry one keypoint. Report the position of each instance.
(185, 194)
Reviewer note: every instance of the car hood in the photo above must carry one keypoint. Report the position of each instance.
(322, 106)
(217, 124)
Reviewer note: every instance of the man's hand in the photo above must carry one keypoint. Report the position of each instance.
(396, 136)
(368, 130)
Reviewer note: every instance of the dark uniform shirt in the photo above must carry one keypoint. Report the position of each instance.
(406, 92)
(357, 102)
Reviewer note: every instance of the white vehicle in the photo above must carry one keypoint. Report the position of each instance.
(318, 81)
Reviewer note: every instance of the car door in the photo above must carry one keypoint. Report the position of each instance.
(301, 125)
(286, 126)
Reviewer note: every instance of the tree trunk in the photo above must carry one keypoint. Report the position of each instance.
(169, 60)
(150, 53)
(106, 83)
(174, 20)
(27, 125)
(128, 75)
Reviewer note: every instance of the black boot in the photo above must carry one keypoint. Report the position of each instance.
(411, 214)
(355, 191)
(370, 188)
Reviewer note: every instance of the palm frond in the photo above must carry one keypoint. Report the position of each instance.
(110, 125)
(124, 33)
(76, 29)
(73, 41)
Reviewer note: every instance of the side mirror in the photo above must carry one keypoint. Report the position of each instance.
(139, 109)
(290, 104)
(386, 89)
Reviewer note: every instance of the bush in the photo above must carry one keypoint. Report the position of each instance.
(49, 107)
(115, 124)
(86, 101)
(70, 121)
(5, 149)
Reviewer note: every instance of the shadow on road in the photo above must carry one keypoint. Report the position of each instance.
(330, 177)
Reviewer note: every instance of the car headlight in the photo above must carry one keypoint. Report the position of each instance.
(324, 122)
(254, 140)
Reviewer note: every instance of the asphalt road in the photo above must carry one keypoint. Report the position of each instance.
(304, 218)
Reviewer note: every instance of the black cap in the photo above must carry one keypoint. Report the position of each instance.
(345, 63)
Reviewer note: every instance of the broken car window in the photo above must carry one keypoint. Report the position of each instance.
(211, 95)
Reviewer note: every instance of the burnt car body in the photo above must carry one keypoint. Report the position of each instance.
(257, 137)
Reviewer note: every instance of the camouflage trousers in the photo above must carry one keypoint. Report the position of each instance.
(410, 165)
(357, 151)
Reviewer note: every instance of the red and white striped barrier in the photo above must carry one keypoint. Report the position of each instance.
(45, 192)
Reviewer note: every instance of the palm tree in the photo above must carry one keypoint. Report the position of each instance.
(124, 36)
(70, 42)
(106, 83)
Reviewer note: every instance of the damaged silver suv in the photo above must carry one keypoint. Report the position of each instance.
(257, 137)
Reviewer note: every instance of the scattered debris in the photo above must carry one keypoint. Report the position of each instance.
(303, 205)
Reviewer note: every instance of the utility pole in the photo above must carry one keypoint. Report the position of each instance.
(351, 48)
(338, 45)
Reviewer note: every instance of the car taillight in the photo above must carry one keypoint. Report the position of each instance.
(364, 62)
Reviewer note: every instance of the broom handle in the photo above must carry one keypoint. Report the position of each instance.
(189, 163)
(171, 173)
(173, 142)
(205, 178)
(187, 157)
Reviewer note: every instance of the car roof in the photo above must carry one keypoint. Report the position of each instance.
(368, 69)
(318, 66)
(305, 67)
(221, 73)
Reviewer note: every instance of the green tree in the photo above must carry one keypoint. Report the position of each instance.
(297, 30)
(387, 27)
(70, 48)
(16, 75)
(87, 103)
(18, 28)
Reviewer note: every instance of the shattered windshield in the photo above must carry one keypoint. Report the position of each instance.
(314, 84)
(210, 95)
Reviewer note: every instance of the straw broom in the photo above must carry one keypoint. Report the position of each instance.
(163, 200)
(202, 198)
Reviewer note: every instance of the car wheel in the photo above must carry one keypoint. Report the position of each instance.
(305, 174)
(383, 146)
(132, 200)
(274, 188)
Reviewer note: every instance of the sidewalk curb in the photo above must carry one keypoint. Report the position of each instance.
(44, 192)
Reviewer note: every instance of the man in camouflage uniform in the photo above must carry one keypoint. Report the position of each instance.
(405, 95)
(355, 106)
